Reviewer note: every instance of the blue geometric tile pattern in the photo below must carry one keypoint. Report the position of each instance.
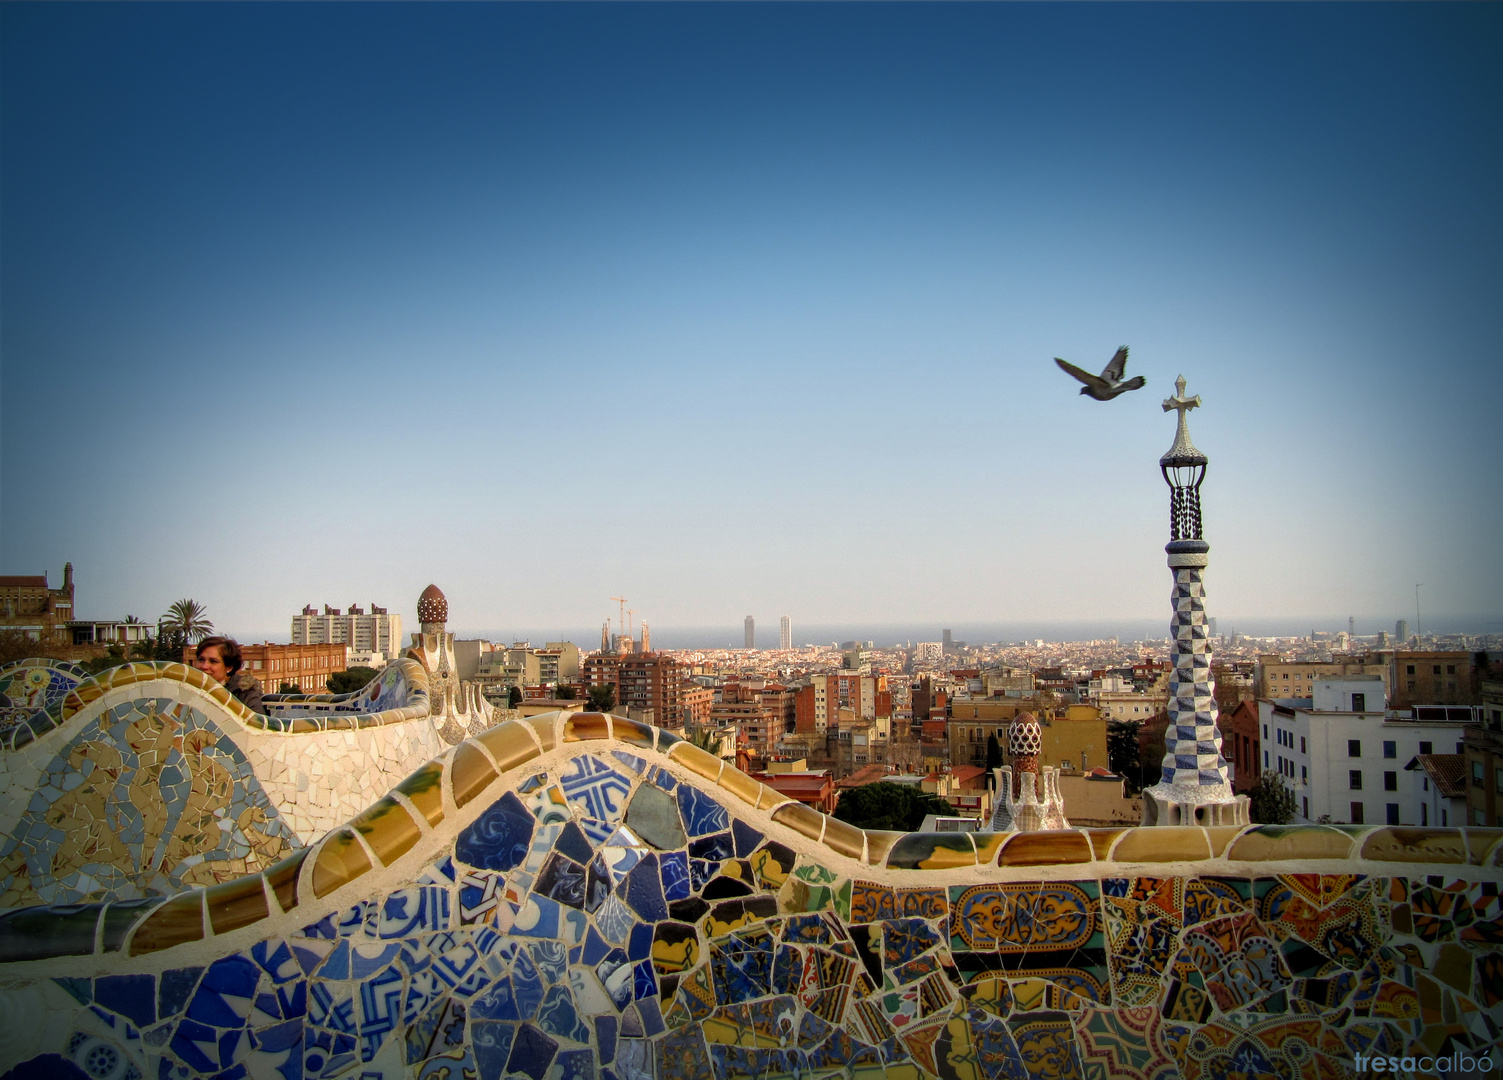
(555, 950)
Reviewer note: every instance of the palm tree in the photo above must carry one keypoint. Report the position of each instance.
(185, 620)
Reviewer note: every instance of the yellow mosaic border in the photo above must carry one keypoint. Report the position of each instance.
(388, 829)
(86, 693)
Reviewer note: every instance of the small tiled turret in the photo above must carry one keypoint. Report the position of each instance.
(433, 610)
(1028, 800)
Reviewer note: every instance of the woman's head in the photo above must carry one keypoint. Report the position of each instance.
(218, 657)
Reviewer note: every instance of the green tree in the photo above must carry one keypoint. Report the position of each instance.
(350, 679)
(564, 692)
(993, 758)
(187, 620)
(19, 645)
(1272, 801)
(885, 805)
(603, 697)
(114, 656)
(1122, 751)
(514, 697)
(289, 688)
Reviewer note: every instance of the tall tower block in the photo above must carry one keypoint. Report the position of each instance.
(1193, 788)
(785, 633)
(751, 632)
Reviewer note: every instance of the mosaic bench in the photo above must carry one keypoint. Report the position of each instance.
(151, 777)
(585, 896)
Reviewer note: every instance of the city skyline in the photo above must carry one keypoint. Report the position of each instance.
(822, 293)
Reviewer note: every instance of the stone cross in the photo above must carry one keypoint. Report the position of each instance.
(1184, 405)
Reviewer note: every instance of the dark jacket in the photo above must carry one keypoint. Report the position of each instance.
(246, 689)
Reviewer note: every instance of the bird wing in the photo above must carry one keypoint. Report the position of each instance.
(1093, 381)
(1118, 365)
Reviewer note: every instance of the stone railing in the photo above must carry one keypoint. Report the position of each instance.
(588, 893)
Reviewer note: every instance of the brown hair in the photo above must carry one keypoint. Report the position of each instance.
(229, 651)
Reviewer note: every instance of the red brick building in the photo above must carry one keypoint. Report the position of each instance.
(649, 683)
(306, 666)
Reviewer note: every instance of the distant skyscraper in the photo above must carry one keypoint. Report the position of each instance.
(1401, 630)
(751, 632)
(785, 634)
(1213, 626)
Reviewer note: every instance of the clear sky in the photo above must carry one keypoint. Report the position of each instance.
(750, 308)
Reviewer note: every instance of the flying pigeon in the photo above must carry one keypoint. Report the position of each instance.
(1109, 383)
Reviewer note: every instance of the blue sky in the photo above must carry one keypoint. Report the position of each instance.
(749, 308)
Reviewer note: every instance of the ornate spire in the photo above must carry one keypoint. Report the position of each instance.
(1194, 786)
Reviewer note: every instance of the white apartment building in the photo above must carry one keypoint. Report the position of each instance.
(375, 632)
(1344, 754)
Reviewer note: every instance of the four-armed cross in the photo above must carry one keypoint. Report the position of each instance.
(1184, 405)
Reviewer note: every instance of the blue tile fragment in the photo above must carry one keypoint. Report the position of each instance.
(643, 890)
(491, 1044)
(701, 813)
(531, 1053)
(175, 989)
(605, 1038)
(746, 837)
(499, 838)
(640, 945)
(674, 869)
(133, 996)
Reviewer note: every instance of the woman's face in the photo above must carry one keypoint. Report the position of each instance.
(211, 663)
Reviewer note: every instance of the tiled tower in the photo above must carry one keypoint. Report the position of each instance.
(1194, 788)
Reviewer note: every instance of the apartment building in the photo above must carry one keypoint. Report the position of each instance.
(1279, 678)
(374, 631)
(1344, 755)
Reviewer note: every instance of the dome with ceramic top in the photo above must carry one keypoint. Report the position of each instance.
(1024, 738)
(433, 607)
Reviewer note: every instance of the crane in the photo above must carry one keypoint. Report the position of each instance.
(629, 613)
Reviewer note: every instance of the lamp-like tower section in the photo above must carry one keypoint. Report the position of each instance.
(1193, 788)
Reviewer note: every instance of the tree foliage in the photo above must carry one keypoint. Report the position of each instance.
(564, 692)
(513, 697)
(350, 679)
(1272, 802)
(289, 688)
(603, 697)
(188, 620)
(1122, 751)
(885, 805)
(19, 645)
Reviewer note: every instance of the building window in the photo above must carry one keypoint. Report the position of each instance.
(1265, 731)
(1356, 813)
(1354, 779)
(1425, 748)
(1393, 813)
(1390, 781)
(1479, 816)
(1390, 749)
(1435, 669)
(1302, 744)
(1476, 774)
(1411, 684)
(1305, 809)
(1498, 781)
(1409, 671)
(1359, 703)
(1265, 759)
(1450, 669)
(1354, 748)
(1424, 813)
(1304, 775)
